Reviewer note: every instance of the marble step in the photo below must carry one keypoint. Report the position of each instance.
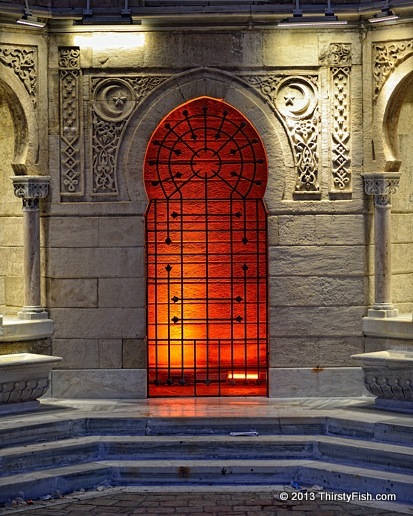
(35, 457)
(305, 472)
(49, 428)
(54, 428)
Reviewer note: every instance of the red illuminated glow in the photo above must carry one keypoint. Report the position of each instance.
(205, 175)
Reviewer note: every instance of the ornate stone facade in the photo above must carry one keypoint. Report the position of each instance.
(387, 56)
(23, 61)
(71, 145)
(30, 189)
(296, 101)
(309, 96)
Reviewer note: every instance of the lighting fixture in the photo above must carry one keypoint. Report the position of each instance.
(298, 20)
(90, 19)
(386, 14)
(29, 19)
(242, 377)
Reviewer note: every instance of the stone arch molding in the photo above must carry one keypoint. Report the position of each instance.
(206, 82)
(386, 116)
(23, 113)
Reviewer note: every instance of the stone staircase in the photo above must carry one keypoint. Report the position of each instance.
(41, 457)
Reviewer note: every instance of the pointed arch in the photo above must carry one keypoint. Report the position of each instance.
(205, 175)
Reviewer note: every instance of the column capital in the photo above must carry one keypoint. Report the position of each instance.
(381, 184)
(30, 189)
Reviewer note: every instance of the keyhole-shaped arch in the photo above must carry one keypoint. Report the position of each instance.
(205, 174)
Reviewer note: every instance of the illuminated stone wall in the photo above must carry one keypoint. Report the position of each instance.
(402, 208)
(305, 93)
(11, 286)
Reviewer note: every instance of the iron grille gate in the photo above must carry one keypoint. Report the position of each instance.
(206, 238)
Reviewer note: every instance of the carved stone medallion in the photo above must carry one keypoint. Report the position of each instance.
(114, 100)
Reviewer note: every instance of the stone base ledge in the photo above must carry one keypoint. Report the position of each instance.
(400, 327)
(24, 377)
(328, 382)
(388, 375)
(13, 329)
(98, 384)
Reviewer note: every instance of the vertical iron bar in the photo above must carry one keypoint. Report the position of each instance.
(266, 298)
(231, 233)
(181, 207)
(155, 284)
(168, 270)
(245, 324)
(195, 370)
(258, 211)
(219, 368)
(206, 276)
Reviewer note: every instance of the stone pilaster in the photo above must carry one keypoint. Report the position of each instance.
(31, 189)
(382, 186)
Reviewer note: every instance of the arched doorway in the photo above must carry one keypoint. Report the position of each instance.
(206, 239)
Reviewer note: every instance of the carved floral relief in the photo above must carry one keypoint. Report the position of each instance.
(295, 98)
(113, 102)
(386, 58)
(23, 61)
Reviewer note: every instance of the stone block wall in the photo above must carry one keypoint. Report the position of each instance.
(11, 233)
(317, 260)
(96, 291)
(402, 214)
(319, 230)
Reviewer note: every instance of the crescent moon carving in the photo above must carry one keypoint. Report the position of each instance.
(105, 96)
(295, 98)
(113, 100)
(301, 105)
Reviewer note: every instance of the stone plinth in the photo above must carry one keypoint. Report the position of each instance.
(388, 375)
(24, 377)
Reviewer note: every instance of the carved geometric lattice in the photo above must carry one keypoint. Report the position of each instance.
(72, 180)
(205, 175)
(340, 136)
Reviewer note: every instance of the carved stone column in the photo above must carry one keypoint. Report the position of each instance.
(30, 189)
(381, 186)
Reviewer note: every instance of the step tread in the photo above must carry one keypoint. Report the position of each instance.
(213, 439)
(199, 465)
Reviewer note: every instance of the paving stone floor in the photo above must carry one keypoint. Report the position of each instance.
(228, 501)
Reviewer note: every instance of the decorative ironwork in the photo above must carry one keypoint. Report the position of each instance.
(72, 180)
(23, 62)
(386, 58)
(205, 174)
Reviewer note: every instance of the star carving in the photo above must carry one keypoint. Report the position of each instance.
(289, 99)
(119, 99)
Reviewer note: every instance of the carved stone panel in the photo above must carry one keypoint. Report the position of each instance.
(340, 134)
(71, 148)
(295, 98)
(113, 102)
(23, 61)
(386, 58)
(336, 54)
(337, 57)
